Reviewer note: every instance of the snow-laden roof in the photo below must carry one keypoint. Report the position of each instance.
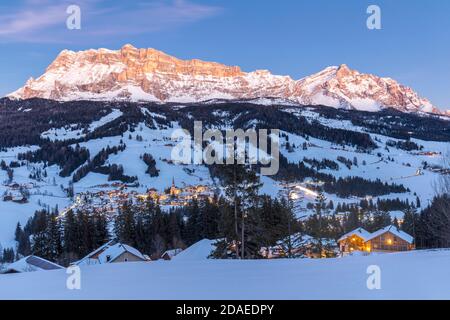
(91, 257)
(30, 264)
(108, 253)
(360, 232)
(172, 253)
(114, 251)
(234, 279)
(396, 232)
(366, 235)
(198, 251)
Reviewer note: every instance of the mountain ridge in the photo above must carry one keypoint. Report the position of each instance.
(151, 75)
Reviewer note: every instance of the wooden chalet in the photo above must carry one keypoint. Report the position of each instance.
(388, 239)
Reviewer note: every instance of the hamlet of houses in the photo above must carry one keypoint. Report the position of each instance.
(111, 200)
(388, 239)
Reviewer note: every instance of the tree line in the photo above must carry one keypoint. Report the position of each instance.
(244, 227)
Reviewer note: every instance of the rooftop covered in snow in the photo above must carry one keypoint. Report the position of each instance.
(30, 264)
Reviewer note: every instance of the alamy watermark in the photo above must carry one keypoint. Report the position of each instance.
(73, 21)
(73, 281)
(374, 20)
(374, 280)
(237, 146)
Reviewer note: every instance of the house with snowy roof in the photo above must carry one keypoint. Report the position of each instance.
(387, 239)
(200, 250)
(169, 254)
(31, 264)
(112, 252)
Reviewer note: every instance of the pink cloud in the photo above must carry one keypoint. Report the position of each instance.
(44, 20)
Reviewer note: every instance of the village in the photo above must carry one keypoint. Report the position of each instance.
(18, 193)
(110, 200)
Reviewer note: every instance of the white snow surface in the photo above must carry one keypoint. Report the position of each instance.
(410, 275)
(198, 251)
(71, 131)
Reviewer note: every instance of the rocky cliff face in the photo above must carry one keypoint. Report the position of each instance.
(151, 75)
(346, 88)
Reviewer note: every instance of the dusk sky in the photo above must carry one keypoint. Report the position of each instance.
(288, 37)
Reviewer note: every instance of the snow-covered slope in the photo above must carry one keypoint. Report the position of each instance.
(411, 275)
(46, 192)
(151, 75)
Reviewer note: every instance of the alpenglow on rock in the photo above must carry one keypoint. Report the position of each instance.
(150, 75)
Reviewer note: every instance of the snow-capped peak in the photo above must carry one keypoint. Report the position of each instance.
(151, 75)
(346, 88)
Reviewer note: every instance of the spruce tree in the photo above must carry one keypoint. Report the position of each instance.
(352, 221)
(85, 232)
(71, 240)
(174, 230)
(101, 232)
(320, 212)
(54, 237)
(241, 186)
(18, 232)
(125, 225)
(410, 221)
(380, 219)
(40, 245)
(396, 223)
(194, 224)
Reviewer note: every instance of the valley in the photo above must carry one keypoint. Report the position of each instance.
(331, 145)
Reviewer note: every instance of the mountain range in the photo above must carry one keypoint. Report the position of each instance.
(133, 74)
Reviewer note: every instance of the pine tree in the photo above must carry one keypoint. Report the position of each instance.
(418, 204)
(241, 186)
(24, 245)
(380, 219)
(174, 230)
(352, 221)
(147, 234)
(159, 231)
(410, 221)
(140, 233)
(54, 237)
(125, 225)
(194, 223)
(101, 233)
(40, 245)
(71, 241)
(248, 198)
(18, 232)
(23, 242)
(320, 212)
(7, 256)
(396, 223)
(85, 232)
(330, 205)
(210, 218)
